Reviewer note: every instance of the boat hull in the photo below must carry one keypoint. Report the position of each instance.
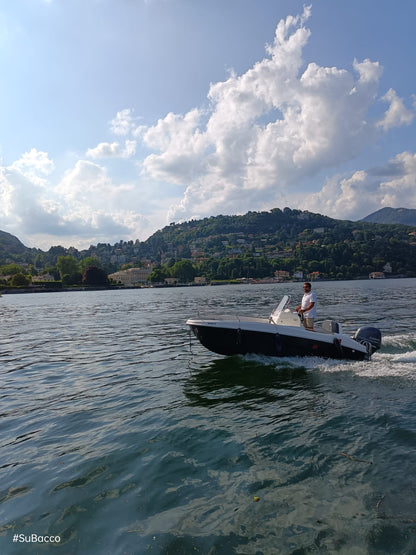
(275, 343)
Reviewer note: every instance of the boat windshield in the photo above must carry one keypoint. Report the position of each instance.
(274, 316)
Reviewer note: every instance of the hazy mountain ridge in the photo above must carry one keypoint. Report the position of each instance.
(404, 216)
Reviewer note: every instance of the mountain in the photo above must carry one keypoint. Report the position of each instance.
(211, 233)
(13, 249)
(405, 216)
(261, 243)
(254, 244)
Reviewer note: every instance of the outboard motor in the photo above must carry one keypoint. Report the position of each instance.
(370, 338)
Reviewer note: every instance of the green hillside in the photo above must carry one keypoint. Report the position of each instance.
(12, 249)
(255, 245)
(258, 244)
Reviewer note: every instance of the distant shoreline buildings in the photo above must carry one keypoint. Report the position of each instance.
(132, 276)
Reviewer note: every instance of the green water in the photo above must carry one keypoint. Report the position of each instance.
(121, 434)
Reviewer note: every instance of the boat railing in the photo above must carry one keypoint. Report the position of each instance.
(227, 317)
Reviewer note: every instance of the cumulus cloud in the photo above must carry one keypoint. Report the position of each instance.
(268, 129)
(84, 207)
(113, 150)
(181, 148)
(366, 191)
(23, 195)
(122, 124)
(397, 114)
(34, 165)
(24, 200)
(84, 181)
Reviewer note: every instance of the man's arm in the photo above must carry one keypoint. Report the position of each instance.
(310, 307)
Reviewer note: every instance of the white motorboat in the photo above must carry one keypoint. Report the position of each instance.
(283, 334)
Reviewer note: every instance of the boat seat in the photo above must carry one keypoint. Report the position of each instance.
(330, 326)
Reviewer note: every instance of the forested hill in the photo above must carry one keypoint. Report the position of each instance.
(278, 229)
(11, 247)
(281, 224)
(257, 244)
(261, 243)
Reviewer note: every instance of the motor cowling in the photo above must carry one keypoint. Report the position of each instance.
(370, 337)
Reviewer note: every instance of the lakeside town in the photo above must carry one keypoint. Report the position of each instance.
(259, 247)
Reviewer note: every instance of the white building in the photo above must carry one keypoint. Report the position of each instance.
(132, 276)
(44, 278)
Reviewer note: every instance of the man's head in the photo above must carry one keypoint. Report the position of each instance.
(307, 287)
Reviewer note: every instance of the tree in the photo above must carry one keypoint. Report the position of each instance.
(186, 252)
(67, 265)
(12, 269)
(89, 261)
(19, 280)
(94, 276)
(158, 275)
(53, 270)
(184, 271)
(71, 279)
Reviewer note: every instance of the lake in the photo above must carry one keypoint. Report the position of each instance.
(121, 434)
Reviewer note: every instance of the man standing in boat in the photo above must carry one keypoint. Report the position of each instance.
(307, 306)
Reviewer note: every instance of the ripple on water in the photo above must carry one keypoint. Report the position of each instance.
(118, 436)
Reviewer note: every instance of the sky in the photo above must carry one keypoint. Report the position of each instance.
(118, 117)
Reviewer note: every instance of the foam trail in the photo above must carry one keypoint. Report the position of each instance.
(382, 364)
(401, 365)
(401, 341)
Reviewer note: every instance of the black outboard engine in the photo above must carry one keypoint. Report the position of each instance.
(370, 338)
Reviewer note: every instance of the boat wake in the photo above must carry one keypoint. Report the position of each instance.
(381, 365)
(402, 342)
(397, 358)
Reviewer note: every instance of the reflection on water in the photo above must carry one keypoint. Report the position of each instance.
(238, 379)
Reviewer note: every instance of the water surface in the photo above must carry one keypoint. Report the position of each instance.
(121, 434)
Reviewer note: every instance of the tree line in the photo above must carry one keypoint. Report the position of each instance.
(254, 245)
(67, 272)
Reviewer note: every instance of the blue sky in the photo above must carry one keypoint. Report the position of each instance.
(120, 116)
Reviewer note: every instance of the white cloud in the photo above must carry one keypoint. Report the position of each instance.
(129, 149)
(369, 72)
(401, 190)
(34, 165)
(85, 181)
(24, 202)
(268, 129)
(122, 124)
(6, 195)
(397, 114)
(182, 147)
(366, 191)
(104, 150)
(112, 150)
(85, 207)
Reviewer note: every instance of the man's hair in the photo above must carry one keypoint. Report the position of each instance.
(308, 284)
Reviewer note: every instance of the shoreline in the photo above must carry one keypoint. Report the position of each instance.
(26, 290)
